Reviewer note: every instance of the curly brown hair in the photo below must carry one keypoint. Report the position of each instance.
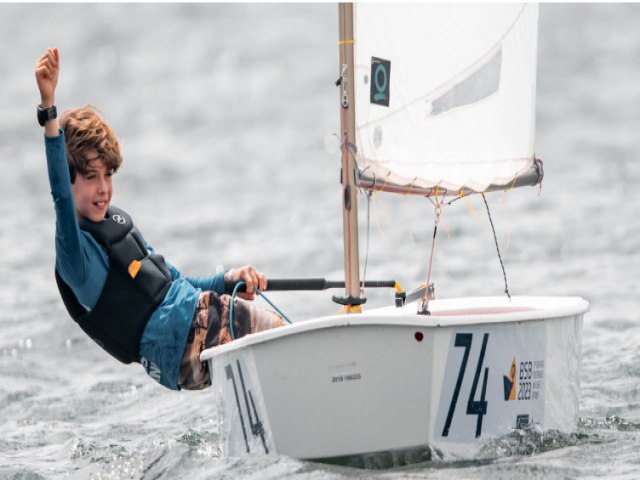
(86, 130)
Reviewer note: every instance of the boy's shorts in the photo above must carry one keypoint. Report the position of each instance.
(210, 327)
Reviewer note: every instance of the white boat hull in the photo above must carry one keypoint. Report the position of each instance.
(390, 379)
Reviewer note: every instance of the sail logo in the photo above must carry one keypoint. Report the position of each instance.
(380, 81)
(510, 382)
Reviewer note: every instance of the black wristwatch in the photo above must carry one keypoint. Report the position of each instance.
(45, 114)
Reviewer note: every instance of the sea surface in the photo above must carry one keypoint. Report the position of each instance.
(223, 111)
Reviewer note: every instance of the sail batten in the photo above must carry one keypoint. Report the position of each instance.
(445, 94)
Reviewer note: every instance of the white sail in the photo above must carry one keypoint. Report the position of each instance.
(445, 93)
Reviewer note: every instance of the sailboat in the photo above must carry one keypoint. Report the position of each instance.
(438, 101)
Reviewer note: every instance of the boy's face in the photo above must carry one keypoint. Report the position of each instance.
(92, 191)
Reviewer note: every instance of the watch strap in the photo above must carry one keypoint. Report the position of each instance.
(48, 113)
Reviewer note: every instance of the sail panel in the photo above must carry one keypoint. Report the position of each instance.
(445, 93)
(481, 84)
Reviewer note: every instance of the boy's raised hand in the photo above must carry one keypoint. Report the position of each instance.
(47, 70)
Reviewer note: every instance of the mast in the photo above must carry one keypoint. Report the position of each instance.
(352, 298)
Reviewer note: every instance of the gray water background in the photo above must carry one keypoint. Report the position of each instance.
(222, 111)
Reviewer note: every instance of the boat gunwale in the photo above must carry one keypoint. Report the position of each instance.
(515, 310)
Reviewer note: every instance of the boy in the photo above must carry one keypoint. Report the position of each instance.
(133, 303)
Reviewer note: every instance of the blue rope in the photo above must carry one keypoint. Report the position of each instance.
(233, 298)
(273, 306)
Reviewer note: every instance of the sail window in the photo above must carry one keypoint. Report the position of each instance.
(481, 83)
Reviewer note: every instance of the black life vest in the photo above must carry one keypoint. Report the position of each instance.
(136, 284)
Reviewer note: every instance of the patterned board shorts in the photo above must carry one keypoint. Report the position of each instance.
(210, 327)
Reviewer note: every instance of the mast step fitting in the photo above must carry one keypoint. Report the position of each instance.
(351, 301)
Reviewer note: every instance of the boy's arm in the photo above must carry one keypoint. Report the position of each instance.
(71, 258)
(247, 274)
(214, 282)
(47, 71)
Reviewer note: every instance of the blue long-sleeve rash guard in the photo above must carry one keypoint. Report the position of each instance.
(83, 265)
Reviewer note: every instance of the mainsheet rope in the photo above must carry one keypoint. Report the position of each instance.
(495, 239)
(233, 300)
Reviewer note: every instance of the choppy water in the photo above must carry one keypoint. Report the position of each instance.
(222, 110)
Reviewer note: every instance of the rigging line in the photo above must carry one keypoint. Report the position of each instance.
(411, 186)
(353, 150)
(433, 193)
(369, 194)
(264, 297)
(495, 238)
(373, 187)
(444, 196)
(442, 204)
(233, 301)
(456, 198)
(386, 180)
(437, 203)
(433, 247)
(471, 210)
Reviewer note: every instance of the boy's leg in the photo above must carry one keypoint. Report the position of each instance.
(210, 328)
(247, 318)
